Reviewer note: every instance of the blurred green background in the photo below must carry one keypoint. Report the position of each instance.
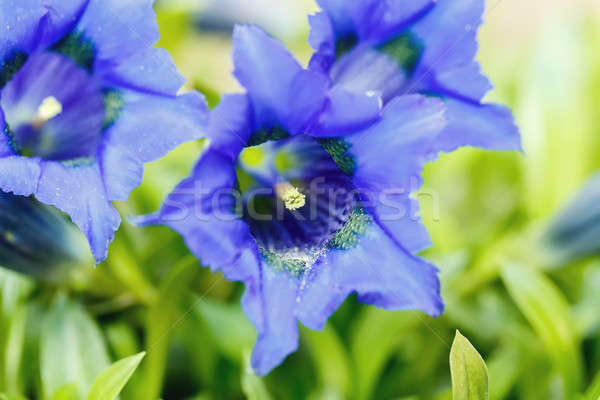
(532, 310)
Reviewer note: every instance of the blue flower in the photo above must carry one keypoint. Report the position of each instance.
(85, 101)
(397, 47)
(37, 240)
(303, 195)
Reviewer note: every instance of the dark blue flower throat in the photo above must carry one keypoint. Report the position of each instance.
(78, 48)
(54, 107)
(10, 66)
(297, 201)
(405, 49)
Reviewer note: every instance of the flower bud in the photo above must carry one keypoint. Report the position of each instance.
(38, 240)
(575, 233)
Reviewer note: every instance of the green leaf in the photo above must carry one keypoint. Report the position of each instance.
(469, 373)
(593, 391)
(72, 349)
(67, 392)
(331, 360)
(546, 309)
(383, 328)
(111, 381)
(4, 396)
(252, 385)
(229, 327)
(163, 317)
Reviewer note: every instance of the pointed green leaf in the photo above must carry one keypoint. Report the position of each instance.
(112, 380)
(469, 373)
(72, 349)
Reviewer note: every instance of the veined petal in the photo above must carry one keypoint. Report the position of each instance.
(378, 19)
(118, 29)
(19, 28)
(322, 39)
(369, 20)
(151, 70)
(347, 112)
(19, 175)
(488, 126)
(202, 210)
(282, 93)
(148, 127)
(397, 214)
(230, 125)
(449, 36)
(79, 191)
(392, 151)
(269, 303)
(380, 271)
(62, 16)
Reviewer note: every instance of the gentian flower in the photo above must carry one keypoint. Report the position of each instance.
(38, 240)
(85, 101)
(396, 47)
(575, 231)
(292, 196)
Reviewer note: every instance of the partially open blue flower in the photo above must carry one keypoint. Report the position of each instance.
(396, 47)
(38, 240)
(85, 101)
(303, 194)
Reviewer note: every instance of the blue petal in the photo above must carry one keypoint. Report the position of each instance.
(148, 128)
(381, 272)
(230, 125)
(322, 39)
(119, 28)
(449, 36)
(5, 140)
(347, 112)
(19, 26)
(488, 126)
(393, 151)
(202, 210)
(373, 20)
(62, 16)
(398, 216)
(282, 92)
(378, 19)
(79, 191)
(19, 175)
(341, 15)
(368, 70)
(151, 70)
(269, 302)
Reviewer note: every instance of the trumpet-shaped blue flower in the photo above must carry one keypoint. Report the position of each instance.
(38, 240)
(303, 195)
(397, 47)
(85, 101)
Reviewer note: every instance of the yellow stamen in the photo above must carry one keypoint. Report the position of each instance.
(291, 196)
(49, 109)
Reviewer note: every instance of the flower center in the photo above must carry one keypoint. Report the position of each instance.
(54, 109)
(296, 199)
(291, 196)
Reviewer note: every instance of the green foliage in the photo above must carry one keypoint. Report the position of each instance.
(469, 372)
(253, 387)
(72, 349)
(111, 381)
(533, 316)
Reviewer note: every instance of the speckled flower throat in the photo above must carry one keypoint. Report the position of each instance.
(297, 201)
(54, 107)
